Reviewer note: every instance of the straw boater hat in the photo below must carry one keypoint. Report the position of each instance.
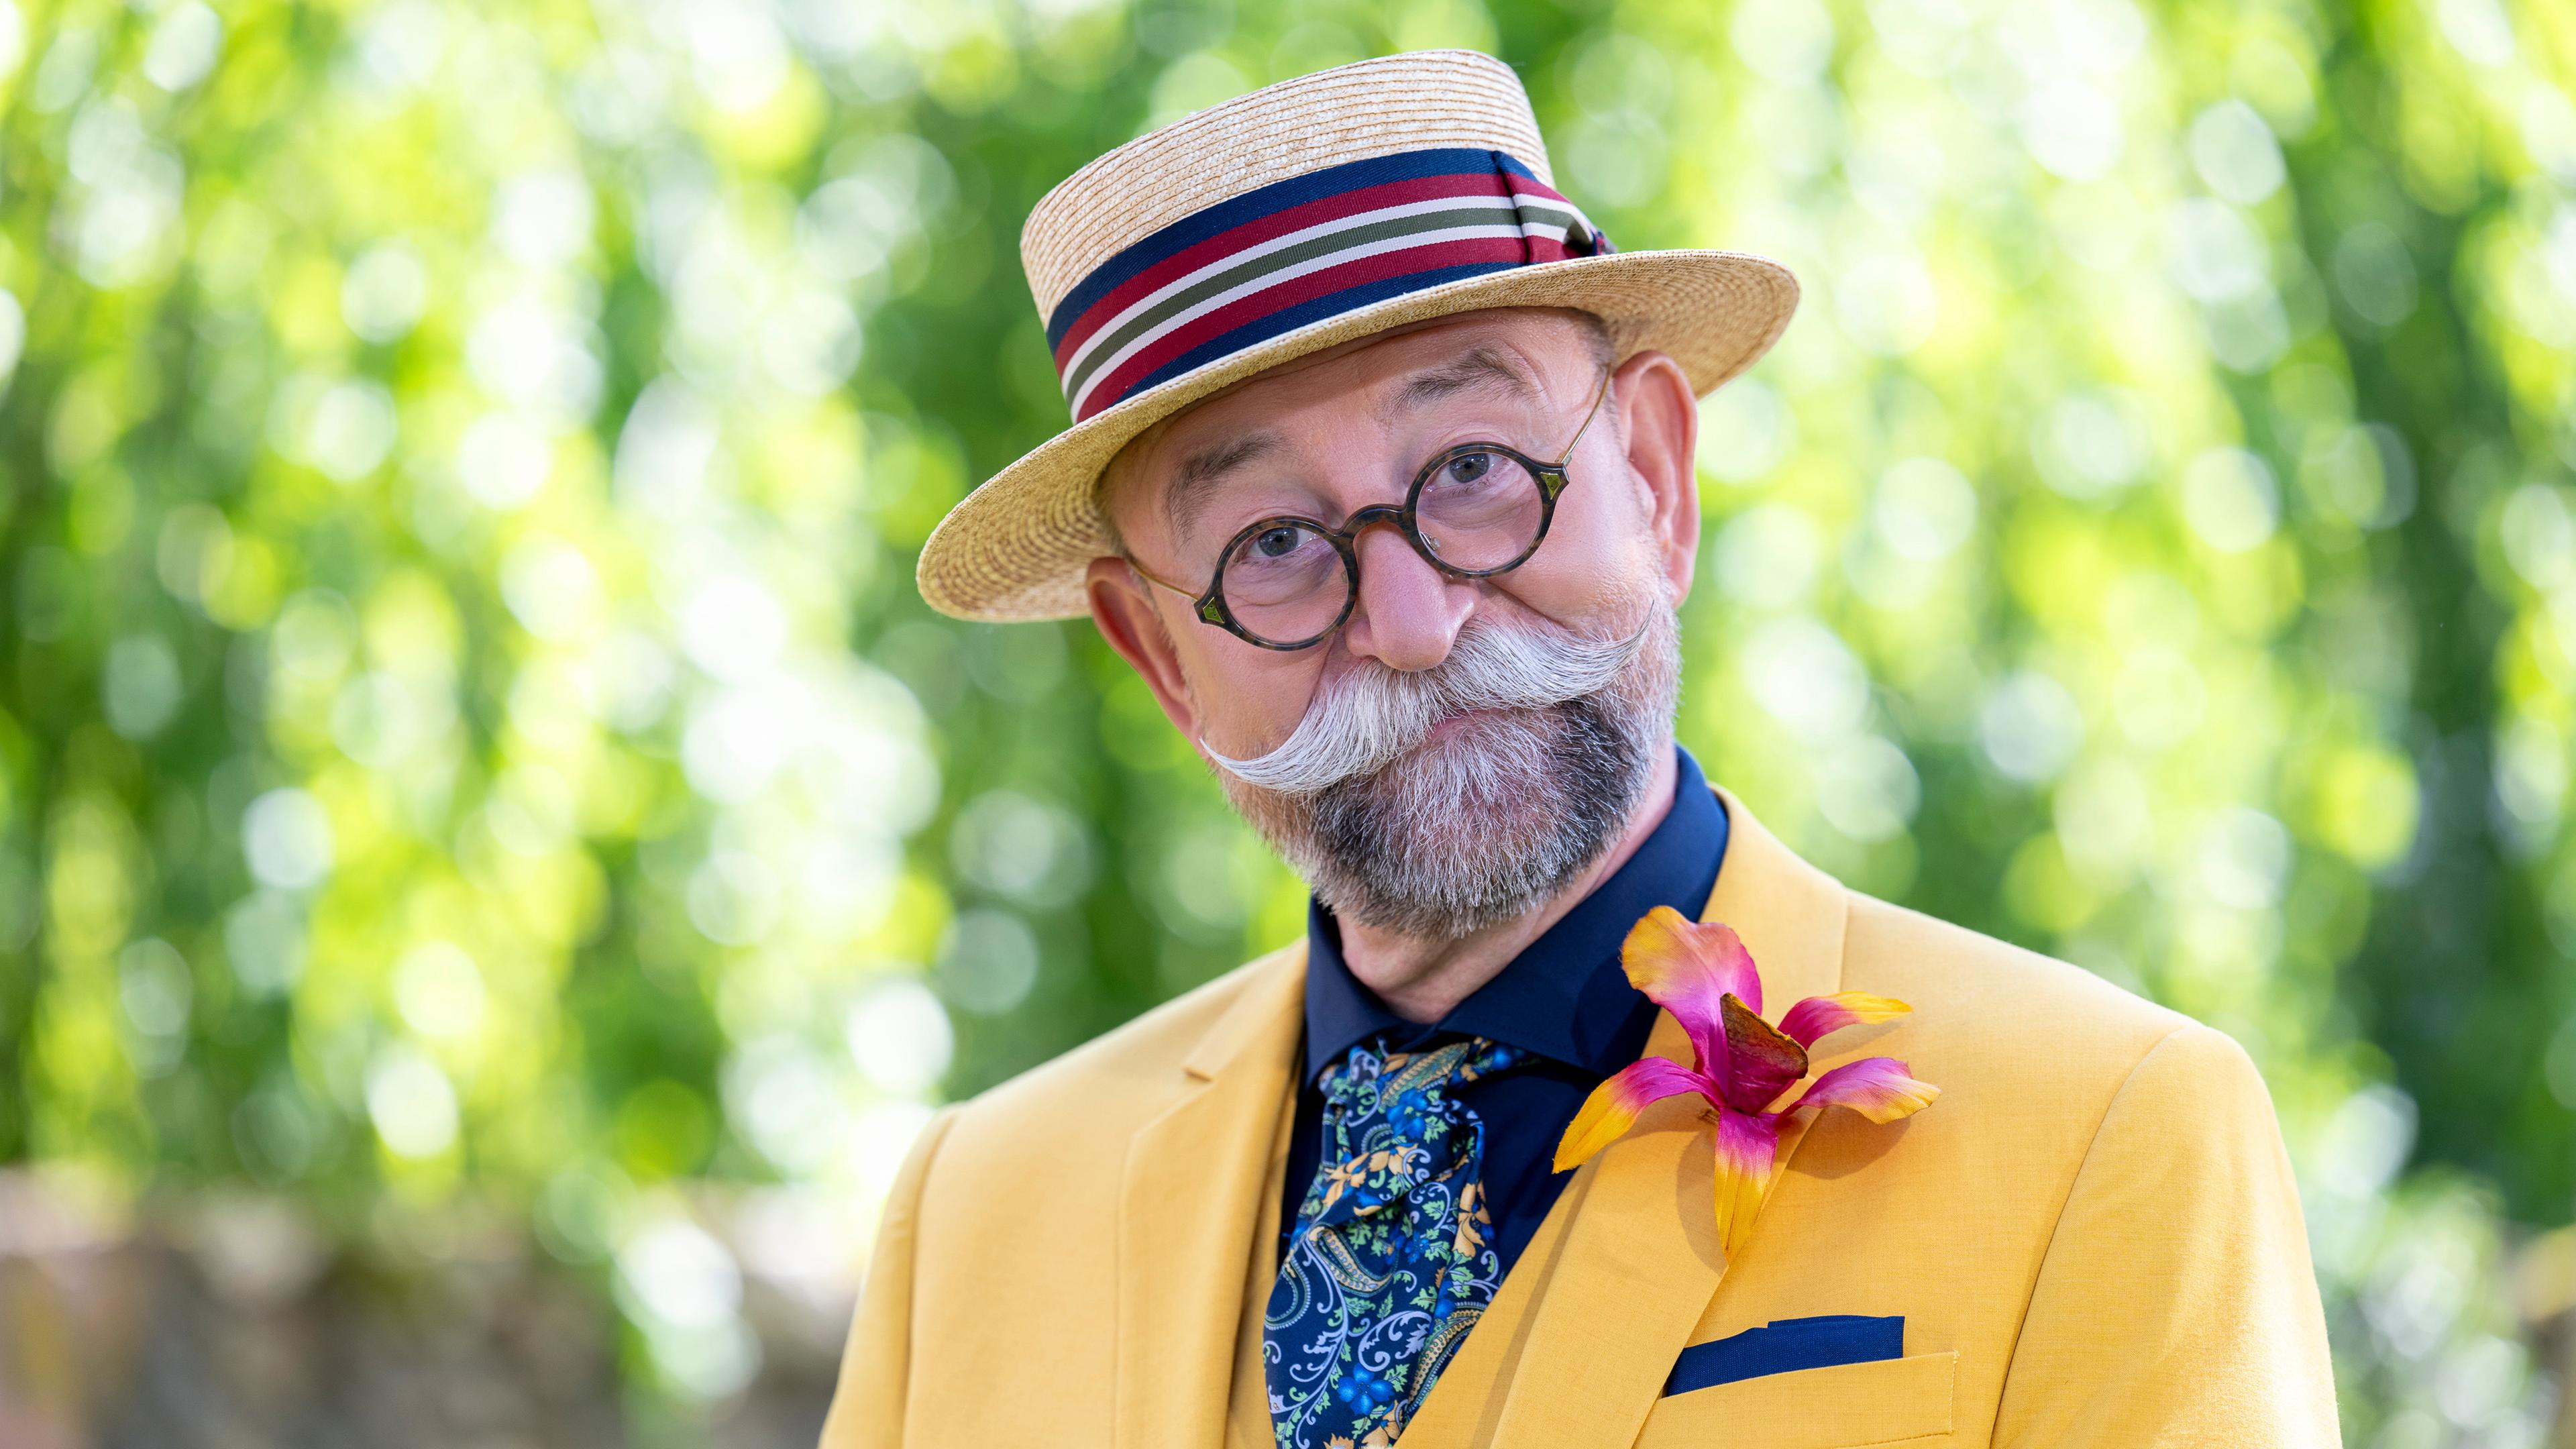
(1279, 224)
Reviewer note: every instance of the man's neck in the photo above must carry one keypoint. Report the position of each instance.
(1422, 980)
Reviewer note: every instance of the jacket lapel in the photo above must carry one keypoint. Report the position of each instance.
(1575, 1349)
(1247, 1420)
(1190, 1210)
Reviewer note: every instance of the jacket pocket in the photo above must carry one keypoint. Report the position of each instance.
(1895, 1402)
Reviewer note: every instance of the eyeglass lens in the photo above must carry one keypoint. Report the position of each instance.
(1286, 583)
(1479, 510)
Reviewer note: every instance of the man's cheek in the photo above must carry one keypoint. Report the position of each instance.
(1603, 522)
(1245, 704)
(1594, 578)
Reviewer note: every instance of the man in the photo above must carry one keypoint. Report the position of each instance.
(1381, 477)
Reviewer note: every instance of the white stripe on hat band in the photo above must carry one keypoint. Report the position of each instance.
(1073, 365)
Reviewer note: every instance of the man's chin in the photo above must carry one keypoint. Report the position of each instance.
(1478, 776)
(1478, 823)
(1489, 815)
(1451, 727)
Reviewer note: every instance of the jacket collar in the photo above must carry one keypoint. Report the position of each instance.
(1190, 1214)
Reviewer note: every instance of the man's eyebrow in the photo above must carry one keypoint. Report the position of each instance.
(1193, 487)
(1477, 367)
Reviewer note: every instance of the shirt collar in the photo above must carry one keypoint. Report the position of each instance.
(1564, 996)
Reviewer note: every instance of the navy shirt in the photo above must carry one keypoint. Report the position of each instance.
(1564, 999)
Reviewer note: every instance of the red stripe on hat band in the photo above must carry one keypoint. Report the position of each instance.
(1544, 248)
(1278, 224)
(1431, 256)
(1532, 186)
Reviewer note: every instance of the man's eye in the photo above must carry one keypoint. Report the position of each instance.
(1468, 467)
(1276, 543)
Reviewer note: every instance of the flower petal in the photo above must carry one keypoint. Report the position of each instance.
(1685, 967)
(1613, 1106)
(1748, 1150)
(1822, 1016)
(1879, 1088)
(1760, 1060)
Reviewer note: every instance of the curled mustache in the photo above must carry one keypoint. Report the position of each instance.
(1373, 715)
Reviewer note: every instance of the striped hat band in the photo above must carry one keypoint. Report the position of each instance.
(1298, 251)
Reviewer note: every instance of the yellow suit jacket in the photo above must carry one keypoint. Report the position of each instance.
(2093, 1235)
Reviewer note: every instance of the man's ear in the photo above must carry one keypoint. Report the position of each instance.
(1660, 421)
(1123, 608)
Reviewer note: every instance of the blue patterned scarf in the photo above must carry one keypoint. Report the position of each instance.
(1388, 1264)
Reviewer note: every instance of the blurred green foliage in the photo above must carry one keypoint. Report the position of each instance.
(467, 732)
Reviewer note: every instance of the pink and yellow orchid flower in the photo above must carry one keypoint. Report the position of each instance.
(1744, 1066)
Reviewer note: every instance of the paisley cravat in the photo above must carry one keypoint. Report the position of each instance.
(1387, 1265)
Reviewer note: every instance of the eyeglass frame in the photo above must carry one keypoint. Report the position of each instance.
(1552, 478)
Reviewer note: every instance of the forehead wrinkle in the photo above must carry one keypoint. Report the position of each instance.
(1483, 367)
(1193, 485)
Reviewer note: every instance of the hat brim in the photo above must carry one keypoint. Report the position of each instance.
(1016, 549)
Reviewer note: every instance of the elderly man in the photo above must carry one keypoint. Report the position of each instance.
(1381, 477)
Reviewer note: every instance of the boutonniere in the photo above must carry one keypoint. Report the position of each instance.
(1743, 1065)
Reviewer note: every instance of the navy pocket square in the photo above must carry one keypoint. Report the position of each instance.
(1787, 1344)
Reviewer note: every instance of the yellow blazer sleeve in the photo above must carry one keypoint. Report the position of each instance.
(2176, 1304)
(868, 1404)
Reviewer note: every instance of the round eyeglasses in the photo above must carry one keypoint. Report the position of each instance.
(1475, 510)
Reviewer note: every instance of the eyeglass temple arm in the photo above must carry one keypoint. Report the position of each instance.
(1589, 414)
(1150, 576)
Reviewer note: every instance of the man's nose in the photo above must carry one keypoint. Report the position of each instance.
(1409, 613)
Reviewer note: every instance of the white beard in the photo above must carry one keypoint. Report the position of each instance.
(1439, 838)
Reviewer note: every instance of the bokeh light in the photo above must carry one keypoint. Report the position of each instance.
(481, 804)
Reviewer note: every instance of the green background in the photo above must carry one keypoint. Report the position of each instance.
(473, 765)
